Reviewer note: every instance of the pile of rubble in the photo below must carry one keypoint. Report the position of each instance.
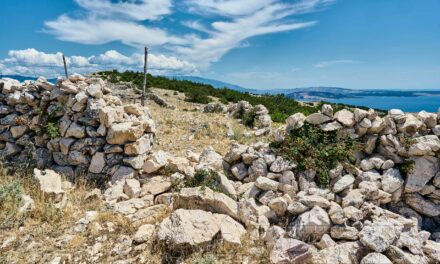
(75, 127)
(370, 213)
(257, 115)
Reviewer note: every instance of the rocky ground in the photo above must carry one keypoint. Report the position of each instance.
(212, 190)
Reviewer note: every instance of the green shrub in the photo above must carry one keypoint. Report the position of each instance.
(406, 167)
(52, 130)
(203, 178)
(313, 149)
(10, 201)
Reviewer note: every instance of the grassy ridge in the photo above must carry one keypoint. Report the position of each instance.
(279, 106)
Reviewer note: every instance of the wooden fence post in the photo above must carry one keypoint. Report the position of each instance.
(144, 88)
(65, 67)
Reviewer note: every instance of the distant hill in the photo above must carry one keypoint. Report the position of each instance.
(215, 83)
(325, 93)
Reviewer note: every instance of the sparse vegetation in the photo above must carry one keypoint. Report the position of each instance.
(52, 130)
(280, 107)
(313, 149)
(406, 167)
(203, 178)
(10, 202)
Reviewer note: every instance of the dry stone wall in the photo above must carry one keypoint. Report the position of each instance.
(75, 127)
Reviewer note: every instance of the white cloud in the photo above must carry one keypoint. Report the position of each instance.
(325, 64)
(227, 35)
(97, 31)
(31, 57)
(137, 10)
(228, 7)
(33, 62)
(220, 25)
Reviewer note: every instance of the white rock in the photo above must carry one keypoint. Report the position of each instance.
(343, 183)
(144, 233)
(155, 162)
(422, 205)
(279, 205)
(206, 199)
(49, 181)
(194, 227)
(317, 119)
(122, 173)
(375, 258)
(379, 235)
(95, 90)
(289, 250)
(97, 163)
(156, 185)
(327, 110)
(239, 170)
(266, 184)
(332, 126)
(122, 133)
(132, 188)
(345, 117)
(139, 147)
(76, 131)
(391, 180)
(295, 121)
(311, 225)
(423, 170)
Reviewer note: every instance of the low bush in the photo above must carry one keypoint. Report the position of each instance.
(10, 202)
(313, 149)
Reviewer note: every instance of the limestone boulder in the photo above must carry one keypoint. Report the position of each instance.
(375, 258)
(343, 183)
(295, 121)
(426, 145)
(422, 205)
(311, 225)
(379, 235)
(317, 119)
(156, 185)
(97, 163)
(289, 250)
(206, 199)
(155, 162)
(144, 233)
(345, 117)
(196, 227)
(140, 146)
(122, 133)
(391, 180)
(422, 171)
(49, 181)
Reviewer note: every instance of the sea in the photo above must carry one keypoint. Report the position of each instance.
(429, 103)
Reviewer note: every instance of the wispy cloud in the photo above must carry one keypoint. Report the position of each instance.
(325, 64)
(218, 25)
(34, 62)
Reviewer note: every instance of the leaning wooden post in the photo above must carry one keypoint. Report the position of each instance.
(144, 88)
(65, 67)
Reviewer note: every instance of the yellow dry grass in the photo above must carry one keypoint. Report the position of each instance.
(36, 235)
(187, 127)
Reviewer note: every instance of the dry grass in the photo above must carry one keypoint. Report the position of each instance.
(37, 233)
(188, 127)
(38, 228)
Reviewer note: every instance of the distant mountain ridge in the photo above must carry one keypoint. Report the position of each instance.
(215, 83)
(320, 93)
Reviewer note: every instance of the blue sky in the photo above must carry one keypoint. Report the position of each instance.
(254, 43)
